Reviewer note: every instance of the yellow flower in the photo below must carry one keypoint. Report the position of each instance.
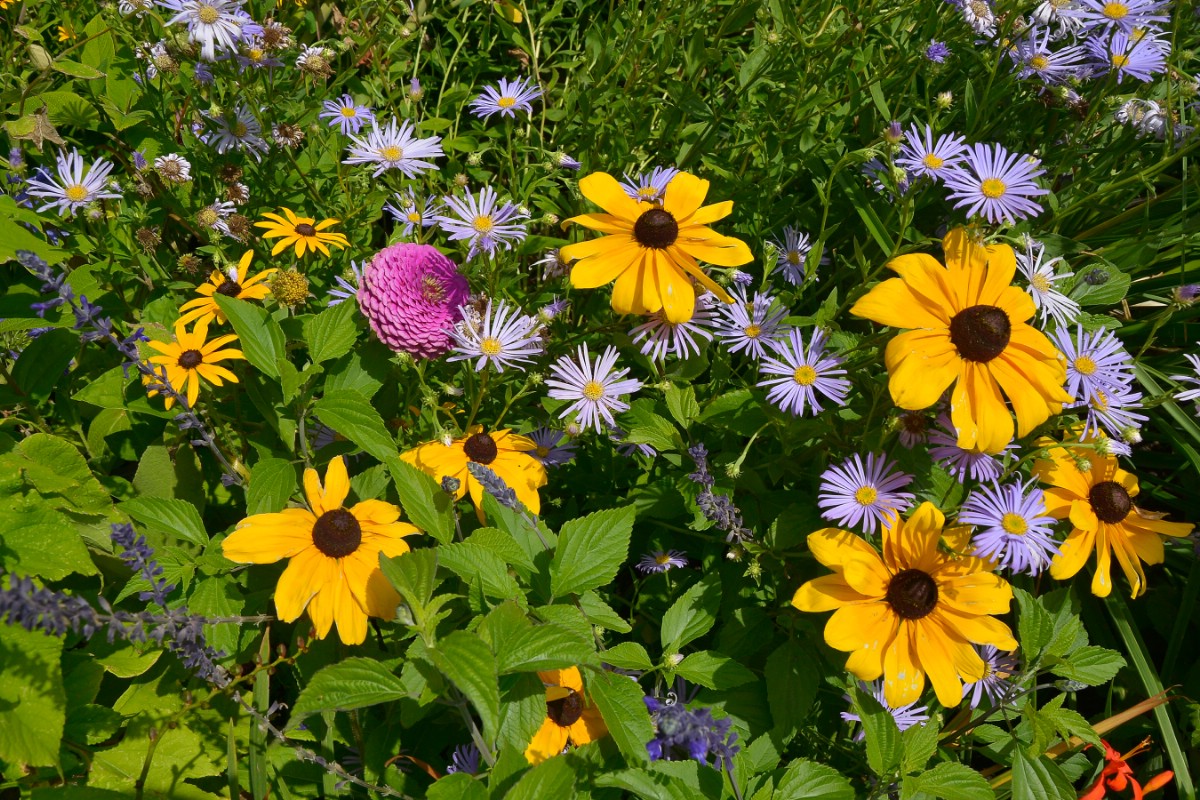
(190, 358)
(333, 569)
(651, 250)
(300, 231)
(1099, 503)
(569, 716)
(236, 284)
(505, 453)
(913, 612)
(970, 327)
(66, 33)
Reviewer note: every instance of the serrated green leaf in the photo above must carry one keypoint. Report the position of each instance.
(693, 614)
(543, 647)
(601, 613)
(628, 655)
(427, 506)
(36, 539)
(43, 363)
(590, 551)
(272, 483)
(468, 663)
(813, 781)
(1035, 626)
(621, 703)
(259, 336)
(713, 670)
(792, 680)
(469, 561)
(331, 333)
(413, 575)
(883, 736)
(1091, 665)
(76, 70)
(952, 781)
(349, 684)
(553, 778)
(681, 402)
(171, 517)
(32, 700)
(351, 414)
(456, 785)
(1038, 779)
(920, 744)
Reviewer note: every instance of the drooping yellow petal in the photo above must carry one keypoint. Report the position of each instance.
(588, 728)
(894, 303)
(855, 627)
(925, 364)
(1074, 553)
(978, 593)
(605, 266)
(267, 538)
(825, 594)
(350, 617)
(903, 677)
(723, 251)
(605, 191)
(306, 573)
(833, 546)
(604, 223)
(684, 194)
(548, 742)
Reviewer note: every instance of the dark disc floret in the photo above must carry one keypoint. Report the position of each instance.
(565, 711)
(980, 332)
(1110, 501)
(230, 288)
(912, 594)
(190, 359)
(656, 228)
(337, 533)
(304, 229)
(481, 448)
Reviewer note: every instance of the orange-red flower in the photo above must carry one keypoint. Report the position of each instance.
(1117, 775)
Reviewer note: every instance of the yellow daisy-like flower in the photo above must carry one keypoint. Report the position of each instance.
(970, 328)
(570, 717)
(333, 569)
(190, 358)
(651, 250)
(1099, 503)
(237, 283)
(66, 33)
(913, 612)
(304, 232)
(506, 454)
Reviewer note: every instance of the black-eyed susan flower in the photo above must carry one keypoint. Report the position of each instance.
(234, 283)
(1099, 502)
(913, 612)
(304, 232)
(507, 454)
(969, 327)
(190, 358)
(570, 716)
(333, 567)
(651, 250)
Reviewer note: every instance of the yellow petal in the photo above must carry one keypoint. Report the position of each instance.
(861, 626)
(895, 304)
(314, 492)
(678, 296)
(267, 538)
(1074, 553)
(903, 677)
(605, 191)
(605, 223)
(588, 728)
(597, 270)
(706, 215)
(548, 742)
(684, 195)
(977, 629)
(337, 483)
(979, 593)
(925, 366)
(306, 573)
(931, 283)
(635, 290)
(724, 251)
(351, 618)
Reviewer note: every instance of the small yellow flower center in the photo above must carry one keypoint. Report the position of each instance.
(239, 129)
(866, 495)
(1115, 10)
(663, 558)
(1084, 365)
(593, 390)
(1101, 400)
(1119, 60)
(506, 102)
(1040, 283)
(255, 54)
(793, 257)
(391, 153)
(805, 375)
(483, 223)
(207, 217)
(542, 451)
(349, 112)
(490, 346)
(980, 8)
(1137, 34)
(993, 188)
(933, 161)
(647, 193)
(76, 193)
(207, 14)
(1014, 523)
(1039, 62)
(752, 331)
(414, 217)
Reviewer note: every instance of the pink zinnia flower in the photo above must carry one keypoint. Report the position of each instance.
(411, 295)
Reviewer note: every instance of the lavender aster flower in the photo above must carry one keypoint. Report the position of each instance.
(996, 183)
(853, 493)
(792, 253)
(979, 15)
(553, 448)
(483, 221)
(73, 190)
(998, 667)
(937, 52)
(254, 55)
(594, 387)
(650, 186)
(564, 161)
(239, 130)
(346, 114)
(1111, 412)
(1013, 528)
(804, 372)
(957, 461)
(750, 325)
(413, 213)
(506, 99)
(1032, 55)
(661, 561)
(502, 337)
(465, 759)
(1124, 16)
(660, 337)
(1140, 58)
(394, 147)
(914, 428)
(173, 168)
(213, 24)
(920, 155)
(1042, 276)
(411, 295)
(906, 716)
(1095, 361)
(1189, 395)
(347, 289)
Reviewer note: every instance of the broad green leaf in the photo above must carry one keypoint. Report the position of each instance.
(1035, 626)
(32, 700)
(469, 561)
(456, 785)
(713, 670)
(590, 551)
(413, 575)
(1038, 779)
(331, 333)
(522, 710)
(628, 655)
(425, 504)
(272, 483)
(920, 745)
(259, 336)
(36, 539)
(43, 364)
(601, 613)
(1091, 665)
(219, 597)
(177, 518)
(56, 467)
(543, 647)
(76, 70)
(951, 781)
(468, 663)
(681, 402)
(792, 680)
(351, 683)
(351, 414)
(693, 614)
(648, 427)
(553, 779)
(621, 703)
(883, 736)
(813, 781)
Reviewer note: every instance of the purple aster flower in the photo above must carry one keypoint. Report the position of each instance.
(593, 387)
(958, 462)
(465, 759)
(139, 160)
(750, 326)
(914, 428)
(1062, 14)
(1032, 55)
(411, 295)
(893, 181)
(996, 183)
(483, 221)
(564, 161)
(394, 147)
(1139, 58)
(661, 561)
(347, 289)
(74, 189)
(552, 310)
(937, 52)
(998, 667)
(502, 336)
(1186, 295)
(906, 716)
(1121, 15)
(214, 215)
(213, 24)
(411, 212)
(203, 74)
(791, 254)
(661, 338)
(921, 155)
(1146, 117)
(506, 99)
(979, 15)
(415, 92)
(1111, 412)
(553, 265)
(629, 449)
(1042, 276)
(804, 372)
(238, 129)
(853, 493)
(254, 55)
(1013, 529)
(554, 448)
(681, 734)
(346, 114)
(650, 186)
(740, 278)
(1189, 395)
(1095, 361)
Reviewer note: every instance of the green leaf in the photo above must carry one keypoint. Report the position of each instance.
(522, 711)
(470, 561)
(413, 575)
(883, 736)
(628, 655)
(259, 336)
(272, 483)
(620, 702)
(681, 402)
(1091, 665)
(713, 670)
(601, 613)
(553, 778)
(468, 663)
(331, 333)
(1038, 779)
(457, 785)
(693, 614)
(792, 680)
(1035, 626)
(1111, 292)
(647, 427)
(427, 506)
(44, 363)
(35, 539)
(56, 467)
(951, 781)
(351, 683)
(76, 70)
(352, 415)
(590, 551)
(813, 781)
(32, 699)
(920, 745)
(177, 518)
(543, 647)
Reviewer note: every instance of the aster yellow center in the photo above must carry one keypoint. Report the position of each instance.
(255, 54)
(1014, 523)
(647, 193)
(483, 223)
(207, 14)
(752, 331)
(349, 113)
(75, 193)
(391, 153)
(207, 217)
(1039, 62)
(993, 188)
(933, 161)
(506, 102)
(805, 375)
(1040, 283)
(1119, 60)
(239, 129)
(542, 451)
(1115, 10)
(593, 390)
(663, 558)
(980, 8)
(1084, 365)
(866, 495)
(490, 346)
(793, 257)
(414, 217)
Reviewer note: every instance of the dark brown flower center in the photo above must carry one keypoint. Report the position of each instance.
(656, 228)
(481, 448)
(1110, 501)
(337, 533)
(566, 711)
(912, 594)
(304, 229)
(190, 359)
(230, 288)
(980, 332)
